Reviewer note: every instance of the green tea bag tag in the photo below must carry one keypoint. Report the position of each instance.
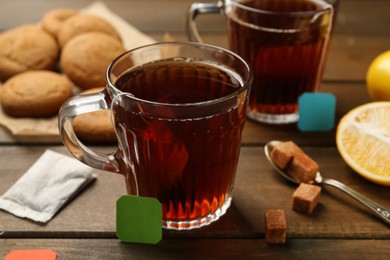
(317, 112)
(139, 219)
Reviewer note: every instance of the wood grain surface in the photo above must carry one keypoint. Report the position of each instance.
(339, 228)
(355, 16)
(207, 249)
(257, 187)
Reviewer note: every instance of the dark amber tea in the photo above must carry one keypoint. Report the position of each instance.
(184, 155)
(179, 110)
(285, 43)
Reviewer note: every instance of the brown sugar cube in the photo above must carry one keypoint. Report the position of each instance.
(305, 198)
(283, 153)
(303, 168)
(275, 226)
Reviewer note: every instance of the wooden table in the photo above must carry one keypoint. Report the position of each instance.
(339, 228)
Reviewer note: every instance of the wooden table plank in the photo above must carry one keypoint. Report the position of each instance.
(92, 211)
(258, 187)
(204, 249)
(257, 133)
(355, 16)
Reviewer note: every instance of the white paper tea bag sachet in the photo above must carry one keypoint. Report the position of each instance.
(47, 185)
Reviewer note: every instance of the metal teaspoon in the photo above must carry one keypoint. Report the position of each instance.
(379, 210)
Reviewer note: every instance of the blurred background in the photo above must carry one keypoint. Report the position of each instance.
(361, 24)
(355, 16)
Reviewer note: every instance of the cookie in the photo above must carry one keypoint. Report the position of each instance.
(83, 23)
(24, 48)
(35, 94)
(53, 20)
(95, 126)
(86, 57)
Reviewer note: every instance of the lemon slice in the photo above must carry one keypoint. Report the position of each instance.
(363, 141)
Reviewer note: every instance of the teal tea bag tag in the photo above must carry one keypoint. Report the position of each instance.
(139, 219)
(317, 112)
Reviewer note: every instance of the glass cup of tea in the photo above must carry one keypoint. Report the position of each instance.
(178, 110)
(284, 41)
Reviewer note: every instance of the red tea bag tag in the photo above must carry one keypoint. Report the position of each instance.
(317, 112)
(139, 219)
(31, 255)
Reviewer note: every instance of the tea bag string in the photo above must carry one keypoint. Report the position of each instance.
(122, 144)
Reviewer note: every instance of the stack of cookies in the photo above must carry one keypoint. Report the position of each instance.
(43, 65)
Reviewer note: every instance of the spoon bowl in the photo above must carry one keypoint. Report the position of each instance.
(268, 149)
(379, 210)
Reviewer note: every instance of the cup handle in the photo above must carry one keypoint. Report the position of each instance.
(193, 12)
(70, 109)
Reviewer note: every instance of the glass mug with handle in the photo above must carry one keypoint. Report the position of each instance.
(284, 41)
(178, 110)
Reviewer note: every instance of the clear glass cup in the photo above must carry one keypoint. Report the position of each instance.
(178, 110)
(285, 42)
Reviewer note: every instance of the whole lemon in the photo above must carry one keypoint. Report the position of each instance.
(378, 78)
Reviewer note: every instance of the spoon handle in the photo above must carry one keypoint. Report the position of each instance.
(381, 211)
